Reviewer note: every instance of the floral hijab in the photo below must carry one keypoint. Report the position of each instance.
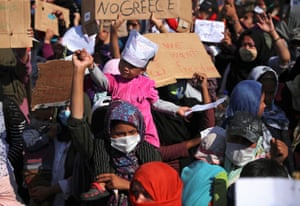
(126, 112)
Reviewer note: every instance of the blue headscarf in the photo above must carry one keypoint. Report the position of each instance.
(273, 115)
(246, 97)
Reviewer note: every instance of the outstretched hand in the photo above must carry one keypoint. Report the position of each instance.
(265, 22)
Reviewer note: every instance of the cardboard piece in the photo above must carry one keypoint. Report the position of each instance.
(135, 9)
(15, 21)
(53, 86)
(44, 18)
(210, 31)
(179, 56)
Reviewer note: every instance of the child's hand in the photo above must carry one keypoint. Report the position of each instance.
(182, 110)
(82, 59)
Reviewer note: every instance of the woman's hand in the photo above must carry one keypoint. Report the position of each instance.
(279, 150)
(113, 181)
(265, 22)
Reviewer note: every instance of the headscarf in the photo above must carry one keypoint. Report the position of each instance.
(273, 115)
(162, 183)
(125, 164)
(246, 97)
(199, 183)
(241, 69)
(126, 112)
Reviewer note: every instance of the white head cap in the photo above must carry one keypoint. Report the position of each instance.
(138, 50)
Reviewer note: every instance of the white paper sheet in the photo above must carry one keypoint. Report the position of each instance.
(267, 192)
(202, 107)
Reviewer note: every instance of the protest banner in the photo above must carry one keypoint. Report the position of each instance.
(53, 86)
(135, 9)
(179, 56)
(210, 31)
(15, 21)
(45, 19)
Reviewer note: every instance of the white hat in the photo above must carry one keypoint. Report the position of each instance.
(294, 87)
(138, 50)
(212, 146)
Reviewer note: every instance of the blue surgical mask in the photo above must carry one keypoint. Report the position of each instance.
(125, 144)
(64, 116)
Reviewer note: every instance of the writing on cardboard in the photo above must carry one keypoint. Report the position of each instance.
(133, 7)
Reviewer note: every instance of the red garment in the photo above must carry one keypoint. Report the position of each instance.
(173, 23)
(162, 182)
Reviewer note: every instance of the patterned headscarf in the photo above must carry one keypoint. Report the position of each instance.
(246, 97)
(126, 112)
(161, 182)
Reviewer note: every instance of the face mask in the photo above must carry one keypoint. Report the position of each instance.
(239, 154)
(64, 116)
(248, 55)
(125, 144)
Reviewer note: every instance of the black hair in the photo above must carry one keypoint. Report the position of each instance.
(264, 168)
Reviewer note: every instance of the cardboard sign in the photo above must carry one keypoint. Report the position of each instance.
(53, 86)
(135, 9)
(15, 21)
(44, 19)
(179, 56)
(210, 31)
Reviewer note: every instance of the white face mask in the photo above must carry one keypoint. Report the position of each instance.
(239, 154)
(125, 144)
(248, 55)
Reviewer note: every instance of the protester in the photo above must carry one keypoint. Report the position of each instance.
(258, 168)
(247, 137)
(205, 180)
(121, 148)
(8, 190)
(274, 117)
(156, 183)
(15, 69)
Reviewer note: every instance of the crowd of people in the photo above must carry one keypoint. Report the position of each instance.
(121, 140)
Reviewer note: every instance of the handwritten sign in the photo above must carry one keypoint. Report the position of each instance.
(267, 192)
(45, 19)
(53, 86)
(135, 9)
(15, 21)
(179, 56)
(210, 31)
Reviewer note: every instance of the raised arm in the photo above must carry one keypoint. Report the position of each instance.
(265, 23)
